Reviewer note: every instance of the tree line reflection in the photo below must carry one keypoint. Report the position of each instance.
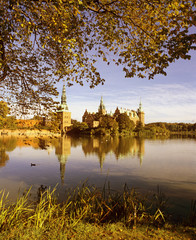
(120, 147)
(6, 145)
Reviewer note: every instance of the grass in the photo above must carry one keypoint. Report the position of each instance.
(89, 213)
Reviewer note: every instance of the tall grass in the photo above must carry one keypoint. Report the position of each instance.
(86, 204)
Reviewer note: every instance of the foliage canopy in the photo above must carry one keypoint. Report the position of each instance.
(4, 109)
(6, 121)
(44, 41)
(124, 122)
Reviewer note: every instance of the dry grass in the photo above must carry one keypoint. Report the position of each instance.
(88, 213)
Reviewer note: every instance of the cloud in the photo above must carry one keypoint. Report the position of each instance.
(172, 102)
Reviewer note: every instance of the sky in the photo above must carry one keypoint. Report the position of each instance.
(170, 98)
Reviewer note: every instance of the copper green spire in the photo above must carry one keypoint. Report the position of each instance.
(63, 105)
(63, 96)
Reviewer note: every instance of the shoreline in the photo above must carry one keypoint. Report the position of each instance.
(27, 132)
(126, 215)
(51, 133)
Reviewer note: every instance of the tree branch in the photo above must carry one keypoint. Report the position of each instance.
(4, 66)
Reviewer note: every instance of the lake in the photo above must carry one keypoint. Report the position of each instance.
(144, 164)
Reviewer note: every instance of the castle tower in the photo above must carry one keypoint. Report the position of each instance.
(140, 113)
(63, 113)
(102, 109)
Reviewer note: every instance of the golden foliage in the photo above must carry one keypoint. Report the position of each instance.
(42, 42)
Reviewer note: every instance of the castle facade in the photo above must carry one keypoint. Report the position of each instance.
(92, 119)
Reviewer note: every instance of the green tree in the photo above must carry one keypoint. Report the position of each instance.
(43, 41)
(50, 122)
(80, 126)
(139, 127)
(10, 123)
(6, 121)
(54, 121)
(108, 123)
(4, 109)
(124, 122)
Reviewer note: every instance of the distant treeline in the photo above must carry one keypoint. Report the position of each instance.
(127, 127)
(172, 127)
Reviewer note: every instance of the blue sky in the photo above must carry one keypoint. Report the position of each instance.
(170, 98)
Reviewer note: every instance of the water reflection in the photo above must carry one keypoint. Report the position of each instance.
(120, 147)
(141, 163)
(7, 144)
(10, 143)
(63, 150)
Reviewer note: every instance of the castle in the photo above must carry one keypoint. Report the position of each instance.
(92, 119)
(63, 113)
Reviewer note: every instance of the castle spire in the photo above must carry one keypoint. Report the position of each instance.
(63, 96)
(101, 102)
(63, 105)
(102, 109)
(140, 106)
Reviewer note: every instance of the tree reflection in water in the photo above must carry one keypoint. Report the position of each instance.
(7, 144)
(100, 146)
(120, 146)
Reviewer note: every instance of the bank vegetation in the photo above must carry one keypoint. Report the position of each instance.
(124, 126)
(89, 212)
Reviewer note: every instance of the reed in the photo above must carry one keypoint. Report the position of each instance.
(86, 204)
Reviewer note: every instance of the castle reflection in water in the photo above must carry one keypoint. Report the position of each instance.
(120, 147)
(63, 150)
